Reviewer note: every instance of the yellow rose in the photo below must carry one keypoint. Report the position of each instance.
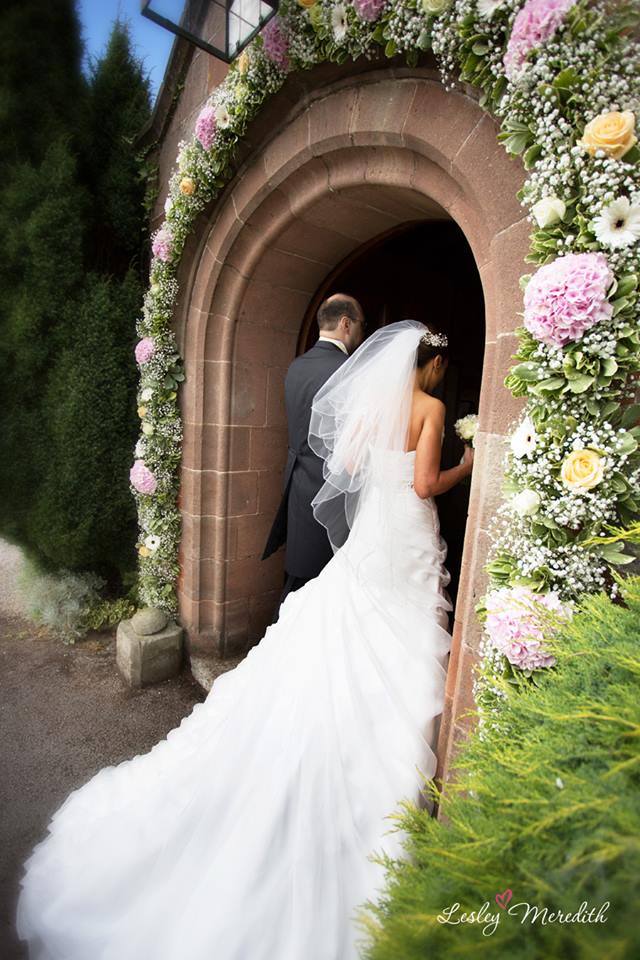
(582, 469)
(142, 411)
(613, 132)
(243, 61)
(144, 551)
(307, 3)
(187, 186)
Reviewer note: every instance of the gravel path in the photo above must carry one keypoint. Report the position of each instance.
(10, 567)
(65, 712)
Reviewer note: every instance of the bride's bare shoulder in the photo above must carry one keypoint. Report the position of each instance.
(427, 417)
(430, 407)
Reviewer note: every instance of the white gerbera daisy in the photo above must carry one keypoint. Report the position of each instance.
(524, 439)
(146, 394)
(618, 225)
(339, 22)
(486, 8)
(223, 117)
(152, 542)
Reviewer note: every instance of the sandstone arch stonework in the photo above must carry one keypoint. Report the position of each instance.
(350, 160)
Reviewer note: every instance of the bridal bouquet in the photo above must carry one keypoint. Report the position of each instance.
(466, 428)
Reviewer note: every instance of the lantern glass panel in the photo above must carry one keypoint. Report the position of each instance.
(222, 27)
(245, 16)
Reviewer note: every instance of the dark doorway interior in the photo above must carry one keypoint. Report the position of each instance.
(424, 271)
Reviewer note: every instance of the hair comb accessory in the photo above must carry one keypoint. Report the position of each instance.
(434, 339)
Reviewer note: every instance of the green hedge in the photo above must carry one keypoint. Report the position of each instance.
(83, 516)
(549, 808)
(72, 230)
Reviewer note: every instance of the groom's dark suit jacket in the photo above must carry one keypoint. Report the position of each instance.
(308, 547)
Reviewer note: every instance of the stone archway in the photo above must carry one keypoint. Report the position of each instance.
(351, 161)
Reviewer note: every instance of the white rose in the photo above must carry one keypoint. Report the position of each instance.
(525, 438)
(486, 8)
(181, 159)
(466, 426)
(140, 450)
(146, 394)
(526, 503)
(147, 429)
(435, 6)
(548, 211)
(168, 204)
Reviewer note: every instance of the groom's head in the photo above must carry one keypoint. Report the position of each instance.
(341, 317)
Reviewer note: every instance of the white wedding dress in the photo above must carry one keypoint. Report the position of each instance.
(246, 833)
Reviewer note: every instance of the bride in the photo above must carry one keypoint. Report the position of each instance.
(246, 834)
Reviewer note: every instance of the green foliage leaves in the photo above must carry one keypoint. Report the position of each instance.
(516, 136)
(70, 210)
(82, 514)
(118, 107)
(547, 806)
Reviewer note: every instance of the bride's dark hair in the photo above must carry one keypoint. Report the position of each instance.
(427, 351)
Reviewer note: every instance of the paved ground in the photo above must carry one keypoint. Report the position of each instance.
(64, 713)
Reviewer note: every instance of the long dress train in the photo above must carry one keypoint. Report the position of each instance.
(246, 833)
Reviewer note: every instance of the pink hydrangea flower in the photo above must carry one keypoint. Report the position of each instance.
(162, 245)
(534, 25)
(206, 126)
(142, 478)
(369, 9)
(515, 625)
(565, 298)
(145, 349)
(276, 43)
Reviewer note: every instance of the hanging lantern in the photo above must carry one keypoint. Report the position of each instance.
(221, 27)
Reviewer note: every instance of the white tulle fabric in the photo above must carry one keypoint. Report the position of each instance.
(246, 833)
(366, 404)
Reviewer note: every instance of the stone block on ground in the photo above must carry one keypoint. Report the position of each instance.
(145, 659)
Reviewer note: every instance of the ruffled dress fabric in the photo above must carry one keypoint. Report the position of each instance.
(245, 834)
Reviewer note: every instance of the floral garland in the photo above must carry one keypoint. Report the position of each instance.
(563, 76)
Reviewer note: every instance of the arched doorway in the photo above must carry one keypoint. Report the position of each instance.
(348, 163)
(423, 270)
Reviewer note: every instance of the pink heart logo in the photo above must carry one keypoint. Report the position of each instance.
(502, 899)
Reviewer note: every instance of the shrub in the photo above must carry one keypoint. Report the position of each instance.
(58, 601)
(550, 810)
(83, 515)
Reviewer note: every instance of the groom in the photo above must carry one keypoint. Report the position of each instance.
(341, 325)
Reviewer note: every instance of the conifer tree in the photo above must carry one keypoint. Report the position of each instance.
(119, 106)
(41, 279)
(83, 516)
(42, 88)
(71, 225)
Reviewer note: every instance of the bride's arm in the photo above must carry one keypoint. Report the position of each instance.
(428, 479)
